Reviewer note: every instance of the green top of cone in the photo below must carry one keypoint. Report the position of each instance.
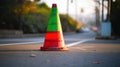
(54, 21)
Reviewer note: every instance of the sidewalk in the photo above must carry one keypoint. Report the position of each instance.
(76, 48)
(21, 47)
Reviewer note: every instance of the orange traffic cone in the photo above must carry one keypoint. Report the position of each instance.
(54, 40)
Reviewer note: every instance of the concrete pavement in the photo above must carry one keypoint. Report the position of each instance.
(76, 48)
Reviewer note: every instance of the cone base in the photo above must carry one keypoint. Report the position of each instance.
(53, 49)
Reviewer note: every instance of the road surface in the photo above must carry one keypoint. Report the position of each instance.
(84, 51)
(75, 38)
(70, 38)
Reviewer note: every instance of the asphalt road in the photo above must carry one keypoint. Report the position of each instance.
(59, 59)
(74, 38)
(84, 51)
(70, 38)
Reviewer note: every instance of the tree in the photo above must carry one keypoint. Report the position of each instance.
(30, 17)
(6, 14)
(114, 18)
(11, 13)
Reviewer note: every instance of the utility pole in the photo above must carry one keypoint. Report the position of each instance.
(102, 10)
(108, 10)
(97, 10)
(67, 8)
(76, 9)
(105, 28)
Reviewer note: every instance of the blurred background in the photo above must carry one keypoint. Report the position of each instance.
(19, 17)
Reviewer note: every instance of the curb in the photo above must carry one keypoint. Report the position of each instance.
(106, 38)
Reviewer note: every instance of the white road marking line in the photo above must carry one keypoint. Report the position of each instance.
(69, 45)
(79, 42)
(72, 39)
(21, 43)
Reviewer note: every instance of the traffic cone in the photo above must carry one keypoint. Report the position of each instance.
(54, 40)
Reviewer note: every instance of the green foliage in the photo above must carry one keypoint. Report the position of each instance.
(37, 22)
(30, 17)
(7, 17)
(11, 13)
(68, 24)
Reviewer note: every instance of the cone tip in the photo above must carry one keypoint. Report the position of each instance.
(54, 5)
